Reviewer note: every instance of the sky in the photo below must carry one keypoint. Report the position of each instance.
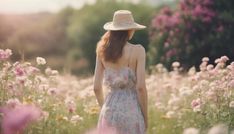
(34, 6)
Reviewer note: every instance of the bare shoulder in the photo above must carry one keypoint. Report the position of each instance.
(138, 48)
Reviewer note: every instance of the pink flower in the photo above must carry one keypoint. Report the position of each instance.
(206, 19)
(196, 103)
(166, 45)
(71, 107)
(224, 58)
(15, 120)
(12, 103)
(220, 28)
(5, 54)
(231, 84)
(166, 10)
(171, 53)
(207, 2)
(210, 67)
(183, 6)
(52, 91)
(197, 11)
(19, 71)
(32, 70)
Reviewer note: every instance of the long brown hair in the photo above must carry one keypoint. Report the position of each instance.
(111, 45)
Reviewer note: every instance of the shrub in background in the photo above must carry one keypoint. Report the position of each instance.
(196, 28)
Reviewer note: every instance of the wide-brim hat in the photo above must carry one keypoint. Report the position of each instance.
(123, 20)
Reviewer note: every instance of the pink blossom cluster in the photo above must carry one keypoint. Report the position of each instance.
(208, 91)
(5, 54)
(198, 9)
(178, 25)
(166, 19)
(17, 116)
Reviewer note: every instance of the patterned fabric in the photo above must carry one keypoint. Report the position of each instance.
(121, 113)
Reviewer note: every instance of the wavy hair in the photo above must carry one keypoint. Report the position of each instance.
(111, 45)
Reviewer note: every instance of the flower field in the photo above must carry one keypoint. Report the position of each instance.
(36, 99)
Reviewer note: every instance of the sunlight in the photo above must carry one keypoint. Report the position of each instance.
(34, 6)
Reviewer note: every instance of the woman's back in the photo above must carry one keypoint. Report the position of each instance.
(120, 67)
(128, 59)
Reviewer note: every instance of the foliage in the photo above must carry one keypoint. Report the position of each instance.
(86, 26)
(68, 38)
(197, 28)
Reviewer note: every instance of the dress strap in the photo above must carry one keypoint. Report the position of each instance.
(129, 56)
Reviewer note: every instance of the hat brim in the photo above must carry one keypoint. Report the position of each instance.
(135, 26)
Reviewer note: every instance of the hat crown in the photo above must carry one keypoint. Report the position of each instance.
(123, 18)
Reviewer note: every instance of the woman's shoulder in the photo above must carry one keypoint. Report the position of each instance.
(138, 48)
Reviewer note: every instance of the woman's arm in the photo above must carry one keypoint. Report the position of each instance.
(98, 76)
(140, 86)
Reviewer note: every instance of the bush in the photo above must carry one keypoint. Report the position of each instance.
(195, 29)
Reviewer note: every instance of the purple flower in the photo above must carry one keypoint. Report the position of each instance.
(15, 120)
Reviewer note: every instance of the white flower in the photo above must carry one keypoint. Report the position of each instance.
(65, 118)
(191, 131)
(231, 104)
(159, 106)
(13, 102)
(185, 93)
(41, 61)
(170, 114)
(174, 101)
(205, 59)
(219, 129)
(54, 72)
(48, 71)
(224, 58)
(192, 71)
(175, 64)
(210, 67)
(204, 83)
(218, 60)
(197, 109)
(75, 118)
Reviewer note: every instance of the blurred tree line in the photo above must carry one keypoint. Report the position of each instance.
(67, 39)
(184, 31)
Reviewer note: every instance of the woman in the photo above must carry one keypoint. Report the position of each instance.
(122, 67)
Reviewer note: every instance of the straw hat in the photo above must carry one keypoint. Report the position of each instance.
(123, 20)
